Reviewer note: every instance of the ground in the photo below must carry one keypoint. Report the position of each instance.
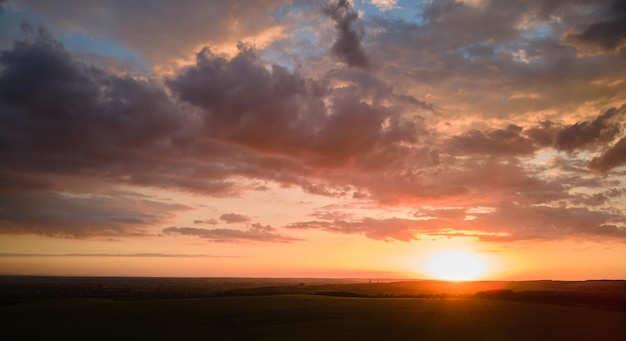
(307, 317)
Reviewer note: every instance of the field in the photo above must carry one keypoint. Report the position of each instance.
(117, 308)
(306, 317)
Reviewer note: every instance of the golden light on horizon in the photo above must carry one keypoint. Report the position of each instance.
(455, 266)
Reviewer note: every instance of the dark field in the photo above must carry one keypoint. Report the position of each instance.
(288, 317)
(250, 309)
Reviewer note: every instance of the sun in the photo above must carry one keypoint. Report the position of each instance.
(455, 266)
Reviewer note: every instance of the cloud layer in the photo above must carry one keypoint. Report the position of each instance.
(468, 107)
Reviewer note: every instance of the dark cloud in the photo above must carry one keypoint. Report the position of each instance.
(256, 232)
(347, 46)
(63, 122)
(607, 34)
(247, 102)
(496, 142)
(63, 117)
(594, 133)
(585, 135)
(543, 134)
(231, 218)
(272, 109)
(59, 115)
(611, 158)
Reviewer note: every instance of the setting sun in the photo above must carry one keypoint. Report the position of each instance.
(455, 266)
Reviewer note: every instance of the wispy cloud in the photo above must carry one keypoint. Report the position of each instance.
(255, 232)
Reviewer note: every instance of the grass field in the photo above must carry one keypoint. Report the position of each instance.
(305, 317)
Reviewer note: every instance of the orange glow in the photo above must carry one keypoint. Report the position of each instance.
(455, 266)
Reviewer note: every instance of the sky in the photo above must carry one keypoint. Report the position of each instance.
(278, 138)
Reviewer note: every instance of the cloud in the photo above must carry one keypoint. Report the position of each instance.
(72, 215)
(611, 158)
(62, 117)
(606, 35)
(585, 134)
(189, 24)
(255, 232)
(543, 133)
(377, 229)
(231, 218)
(274, 111)
(610, 196)
(264, 121)
(395, 229)
(505, 223)
(514, 222)
(384, 5)
(496, 142)
(347, 46)
(468, 59)
(469, 105)
(330, 215)
(59, 115)
(205, 221)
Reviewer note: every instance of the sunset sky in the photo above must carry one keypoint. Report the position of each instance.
(278, 138)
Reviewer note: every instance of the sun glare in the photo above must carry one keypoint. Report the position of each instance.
(455, 266)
